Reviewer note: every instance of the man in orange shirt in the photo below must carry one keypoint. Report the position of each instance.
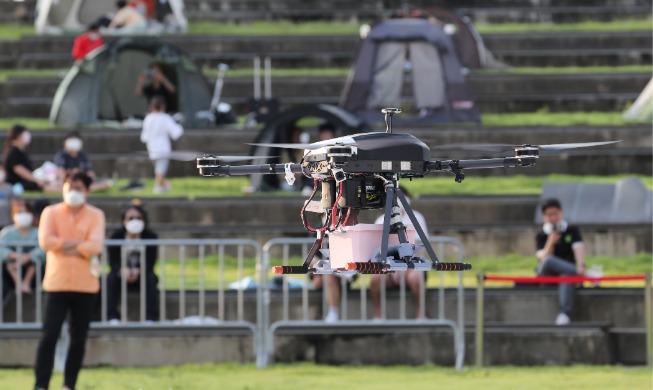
(71, 233)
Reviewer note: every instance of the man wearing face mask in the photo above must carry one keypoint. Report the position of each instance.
(71, 233)
(560, 252)
(134, 229)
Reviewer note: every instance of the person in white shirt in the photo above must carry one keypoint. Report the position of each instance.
(128, 19)
(413, 278)
(159, 128)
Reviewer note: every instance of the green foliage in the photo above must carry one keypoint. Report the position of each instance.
(31, 123)
(316, 377)
(548, 70)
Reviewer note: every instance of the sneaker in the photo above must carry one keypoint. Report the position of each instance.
(331, 317)
(133, 185)
(161, 189)
(562, 319)
(114, 321)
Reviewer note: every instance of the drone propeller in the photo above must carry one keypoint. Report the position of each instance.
(190, 155)
(504, 148)
(314, 145)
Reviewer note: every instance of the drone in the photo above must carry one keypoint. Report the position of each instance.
(361, 172)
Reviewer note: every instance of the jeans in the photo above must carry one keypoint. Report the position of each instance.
(555, 266)
(81, 307)
(151, 295)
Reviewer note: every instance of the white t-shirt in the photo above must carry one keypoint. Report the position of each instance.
(158, 129)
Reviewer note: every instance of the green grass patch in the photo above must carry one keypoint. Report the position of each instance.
(31, 123)
(545, 118)
(282, 72)
(27, 72)
(13, 31)
(323, 377)
(614, 25)
(550, 70)
(274, 28)
(191, 188)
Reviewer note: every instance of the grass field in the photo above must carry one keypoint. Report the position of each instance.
(315, 377)
(437, 184)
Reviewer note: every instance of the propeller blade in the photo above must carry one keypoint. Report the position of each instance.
(505, 148)
(191, 155)
(239, 158)
(556, 147)
(290, 146)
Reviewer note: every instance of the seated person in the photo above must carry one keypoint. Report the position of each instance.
(128, 19)
(18, 165)
(560, 252)
(72, 159)
(6, 199)
(413, 278)
(27, 257)
(134, 220)
(87, 42)
(153, 82)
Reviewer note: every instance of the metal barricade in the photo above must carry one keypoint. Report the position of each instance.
(185, 258)
(302, 320)
(13, 253)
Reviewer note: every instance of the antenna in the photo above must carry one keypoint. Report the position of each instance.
(389, 112)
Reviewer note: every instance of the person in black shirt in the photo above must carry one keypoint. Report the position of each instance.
(560, 252)
(17, 163)
(134, 229)
(153, 82)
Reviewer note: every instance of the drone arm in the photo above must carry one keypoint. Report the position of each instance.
(455, 165)
(237, 170)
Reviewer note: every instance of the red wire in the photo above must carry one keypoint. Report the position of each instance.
(334, 210)
(308, 224)
(561, 279)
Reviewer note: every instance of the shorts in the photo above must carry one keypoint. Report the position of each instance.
(161, 166)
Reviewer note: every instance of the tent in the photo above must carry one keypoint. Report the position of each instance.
(59, 16)
(642, 109)
(276, 131)
(100, 88)
(415, 49)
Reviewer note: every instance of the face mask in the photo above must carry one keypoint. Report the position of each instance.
(93, 36)
(26, 137)
(23, 219)
(559, 227)
(73, 144)
(74, 198)
(135, 226)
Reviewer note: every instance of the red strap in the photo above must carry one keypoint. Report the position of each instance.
(561, 279)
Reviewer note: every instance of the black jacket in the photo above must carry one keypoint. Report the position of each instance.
(151, 252)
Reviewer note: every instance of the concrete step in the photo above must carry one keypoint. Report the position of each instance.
(533, 307)
(533, 49)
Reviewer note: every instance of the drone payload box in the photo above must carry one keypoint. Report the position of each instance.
(358, 243)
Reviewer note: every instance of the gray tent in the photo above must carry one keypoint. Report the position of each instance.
(414, 48)
(100, 89)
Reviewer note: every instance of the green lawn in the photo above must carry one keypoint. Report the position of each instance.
(546, 118)
(317, 377)
(436, 184)
(13, 31)
(615, 25)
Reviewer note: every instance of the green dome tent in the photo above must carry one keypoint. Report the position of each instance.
(99, 90)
